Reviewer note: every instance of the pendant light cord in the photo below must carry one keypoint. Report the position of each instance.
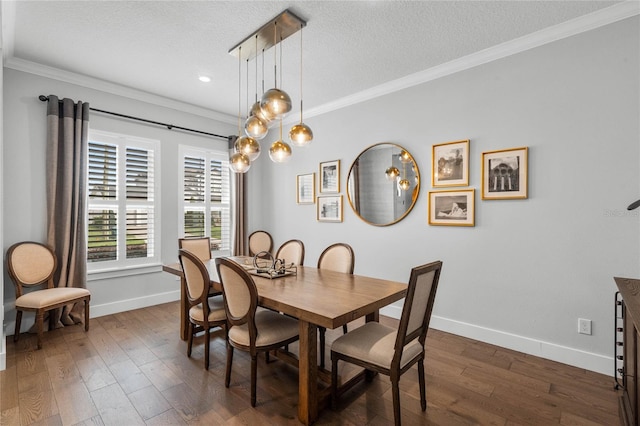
(239, 88)
(300, 74)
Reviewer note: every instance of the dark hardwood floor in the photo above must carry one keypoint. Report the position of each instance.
(131, 368)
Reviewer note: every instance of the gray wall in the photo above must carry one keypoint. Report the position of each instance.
(530, 268)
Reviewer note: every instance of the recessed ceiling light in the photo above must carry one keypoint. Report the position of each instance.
(204, 78)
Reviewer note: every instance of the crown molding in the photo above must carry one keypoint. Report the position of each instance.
(570, 28)
(115, 89)
(617, 12)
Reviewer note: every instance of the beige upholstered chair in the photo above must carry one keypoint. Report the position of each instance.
(205, 312)
(337, 257)
(260, 241)
(291, 251)
(33, 264)
(251, 329)
(389, 351)
(201, 247)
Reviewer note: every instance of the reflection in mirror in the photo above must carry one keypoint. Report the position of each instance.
(383, 184)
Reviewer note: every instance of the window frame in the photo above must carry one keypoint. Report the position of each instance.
(207, 206)
(137, 265)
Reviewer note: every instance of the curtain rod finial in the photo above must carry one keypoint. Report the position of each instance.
(43, 98)
(633, 205)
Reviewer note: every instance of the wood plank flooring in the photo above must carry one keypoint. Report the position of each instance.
(131, 368)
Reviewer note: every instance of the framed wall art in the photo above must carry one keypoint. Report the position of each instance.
(452, 208)
(330, 176)
(450, 164)
(504, 174)
(305, 188)
(329, 208)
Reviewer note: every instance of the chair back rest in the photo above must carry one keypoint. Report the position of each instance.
(337, 257)
(418, 304)
(291, 251)
(260, 241)
(240, 293)
(200, 246)
(30, 264)
(196, 276)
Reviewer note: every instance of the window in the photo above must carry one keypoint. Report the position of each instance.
(123, 201)
(205, 195)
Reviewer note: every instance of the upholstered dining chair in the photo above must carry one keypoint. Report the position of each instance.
(251, 329)
(201, 247)
(205, 312)
(260, 241)
(337, 257)
(291, 251)
(31, 265)
(391, 351)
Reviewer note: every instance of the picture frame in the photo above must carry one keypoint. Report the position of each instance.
(450, 164)
(452, 207)
(306, 188)
(329, 177)
(504, 174)
(329, 208)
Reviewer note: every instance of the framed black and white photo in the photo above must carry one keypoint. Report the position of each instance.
(504, 174)
(305, 188)
(452, 208)
(329, 208)
(450, 164)
(330, 176)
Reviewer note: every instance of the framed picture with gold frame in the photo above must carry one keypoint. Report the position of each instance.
(306, 188)
(450, 164)
(329, 208)
(329, 176)
(452, 208)
(504, 174)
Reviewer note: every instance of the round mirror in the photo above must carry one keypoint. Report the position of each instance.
(383, 184)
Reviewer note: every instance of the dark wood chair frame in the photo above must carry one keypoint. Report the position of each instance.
(251, 253)
(286, 243)
(395, 371)
(41, 311)
(195, 299)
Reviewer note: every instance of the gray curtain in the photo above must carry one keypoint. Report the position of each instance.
(67, 139)
(240, 236)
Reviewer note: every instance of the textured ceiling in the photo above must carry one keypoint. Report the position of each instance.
(161, 47)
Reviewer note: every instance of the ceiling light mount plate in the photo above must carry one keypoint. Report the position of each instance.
(287, 24)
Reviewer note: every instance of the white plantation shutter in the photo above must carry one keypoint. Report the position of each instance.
(206, 197)
(122, 205)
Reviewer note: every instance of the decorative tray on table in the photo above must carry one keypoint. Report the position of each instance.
(264, 265)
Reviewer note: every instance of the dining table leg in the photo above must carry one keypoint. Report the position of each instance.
(308, 373)
(184, 312)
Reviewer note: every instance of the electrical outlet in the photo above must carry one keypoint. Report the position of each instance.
(584, 326)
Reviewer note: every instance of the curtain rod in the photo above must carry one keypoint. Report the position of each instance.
(44, 98)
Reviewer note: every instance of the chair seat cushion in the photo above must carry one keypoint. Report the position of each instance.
(374, 343)
(51, 296)
(216, 311)
(272, 328)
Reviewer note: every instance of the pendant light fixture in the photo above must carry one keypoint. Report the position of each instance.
(300, 134)
(280, 151)
(405, 158)
(239, 162)
(275, 102)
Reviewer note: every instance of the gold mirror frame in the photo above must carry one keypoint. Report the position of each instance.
(368, 169)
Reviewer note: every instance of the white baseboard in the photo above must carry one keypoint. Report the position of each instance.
(131, 304)
(566, 355)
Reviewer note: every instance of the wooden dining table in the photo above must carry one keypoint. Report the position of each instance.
(316, 297)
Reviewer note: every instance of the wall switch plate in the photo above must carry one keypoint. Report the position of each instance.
(584, 326)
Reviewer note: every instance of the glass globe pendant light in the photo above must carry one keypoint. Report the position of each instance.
(280, 151)
(248, 146)
(275, 102)
(404, 184)
(392, 173)
(240, 162)
(300, 134)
